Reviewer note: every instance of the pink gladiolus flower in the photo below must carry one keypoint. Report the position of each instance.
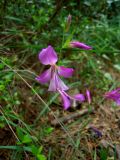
(76, 44)
(114, 95)
(67, 99)
(88, 96)
(49, 57)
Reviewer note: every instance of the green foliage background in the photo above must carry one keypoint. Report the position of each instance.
(26, 27)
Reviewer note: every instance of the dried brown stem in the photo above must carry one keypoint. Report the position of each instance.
(72, 116)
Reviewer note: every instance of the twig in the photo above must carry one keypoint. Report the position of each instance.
(72, 116)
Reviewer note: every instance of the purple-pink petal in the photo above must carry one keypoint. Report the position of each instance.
(79, 97)
(44, 77)
(98, 132)
(76, 44)
(56, 83)
(65, 99)
(65, 72)
(118, 102)
(48, 56)
(114, 95)
(88, 96)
